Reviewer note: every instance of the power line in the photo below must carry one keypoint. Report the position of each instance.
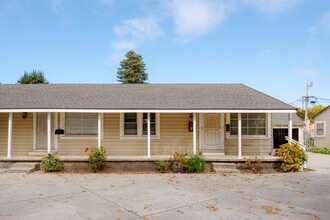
(298, 100)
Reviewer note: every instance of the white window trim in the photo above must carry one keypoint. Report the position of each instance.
(139, 128)
(267, 135)
(324, 128)
(78, 137)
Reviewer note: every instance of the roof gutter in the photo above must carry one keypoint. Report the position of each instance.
(151, 111)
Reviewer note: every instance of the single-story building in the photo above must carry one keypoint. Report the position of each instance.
(280, 129)
(137, 119)
(321, 122)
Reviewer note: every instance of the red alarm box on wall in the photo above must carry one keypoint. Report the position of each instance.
(190, 126)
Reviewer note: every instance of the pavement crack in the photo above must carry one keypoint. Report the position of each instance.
(104, 198)
(38, 198)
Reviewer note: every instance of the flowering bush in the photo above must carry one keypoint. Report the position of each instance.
(292, 156)
(96, 158)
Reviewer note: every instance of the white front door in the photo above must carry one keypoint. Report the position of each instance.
(41, 132)
(212, 132)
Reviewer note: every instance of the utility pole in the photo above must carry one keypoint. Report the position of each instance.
(308, 84)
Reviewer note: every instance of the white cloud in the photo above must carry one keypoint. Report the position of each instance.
(140, 29)
(133, 32)
(273, 7)
(193, 18)
(121, 47)
(124, 45)
(305, 72)
(321, 27)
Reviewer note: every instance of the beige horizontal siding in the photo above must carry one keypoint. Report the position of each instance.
(174, 136)
(323, 141)
(3, 133)
(249, 146)
(22, 141)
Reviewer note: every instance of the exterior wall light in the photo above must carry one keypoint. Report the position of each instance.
(24, 115)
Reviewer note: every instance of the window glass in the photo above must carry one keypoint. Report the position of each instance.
(152, 123)
(81, 123)
(320, 129)
(252, 123)
(130, 124)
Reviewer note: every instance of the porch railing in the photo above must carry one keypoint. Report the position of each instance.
(297, 143)
(309, 143)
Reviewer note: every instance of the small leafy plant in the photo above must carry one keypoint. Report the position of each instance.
(178, 162)
(304, 158)
(195, 164)
(160, 165)
(96, 158)
(254, 164)
(51, 163)
(321, 150)
(292, 156)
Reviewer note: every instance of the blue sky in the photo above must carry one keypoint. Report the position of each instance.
(271, 45)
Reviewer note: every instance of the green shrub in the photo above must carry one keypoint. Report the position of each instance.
(51, 163)
(160, 165)
(195, 164)
(321, 151)
(292, 156)
(304, 158)
(96, 157)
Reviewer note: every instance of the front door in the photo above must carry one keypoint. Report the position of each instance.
(279, 136)
(212, 133)
(41, 132)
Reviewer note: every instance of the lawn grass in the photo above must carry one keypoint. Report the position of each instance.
(321, 150)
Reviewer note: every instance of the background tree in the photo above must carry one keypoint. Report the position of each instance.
(132, 69)
(311, 112)
(33, 77)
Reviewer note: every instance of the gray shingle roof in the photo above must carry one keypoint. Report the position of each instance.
(137, 96)
(282, 119)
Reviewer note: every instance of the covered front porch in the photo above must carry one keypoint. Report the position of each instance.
(217, 135)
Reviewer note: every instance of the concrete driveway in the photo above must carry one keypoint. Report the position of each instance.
(168, 196)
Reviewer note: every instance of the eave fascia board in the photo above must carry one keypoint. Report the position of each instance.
(149, 110)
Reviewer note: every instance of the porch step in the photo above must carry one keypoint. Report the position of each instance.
(36, 153)
(225, 168)
(23, 168)
(212, 154)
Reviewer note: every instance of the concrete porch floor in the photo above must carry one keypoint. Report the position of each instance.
(82, 158)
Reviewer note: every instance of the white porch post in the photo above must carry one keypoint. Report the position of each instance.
(194, 133)
(10, 133)
(48, 132)
(290, 127)
(99, 125)
(239, 135)
(148, 134)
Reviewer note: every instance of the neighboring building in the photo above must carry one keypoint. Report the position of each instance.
(280, 129)
(137, 119)
(321, 122)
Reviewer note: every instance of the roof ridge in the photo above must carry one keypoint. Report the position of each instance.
(269, 96)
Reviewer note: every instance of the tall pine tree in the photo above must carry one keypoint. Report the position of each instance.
(33, 77)
(132, 69)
